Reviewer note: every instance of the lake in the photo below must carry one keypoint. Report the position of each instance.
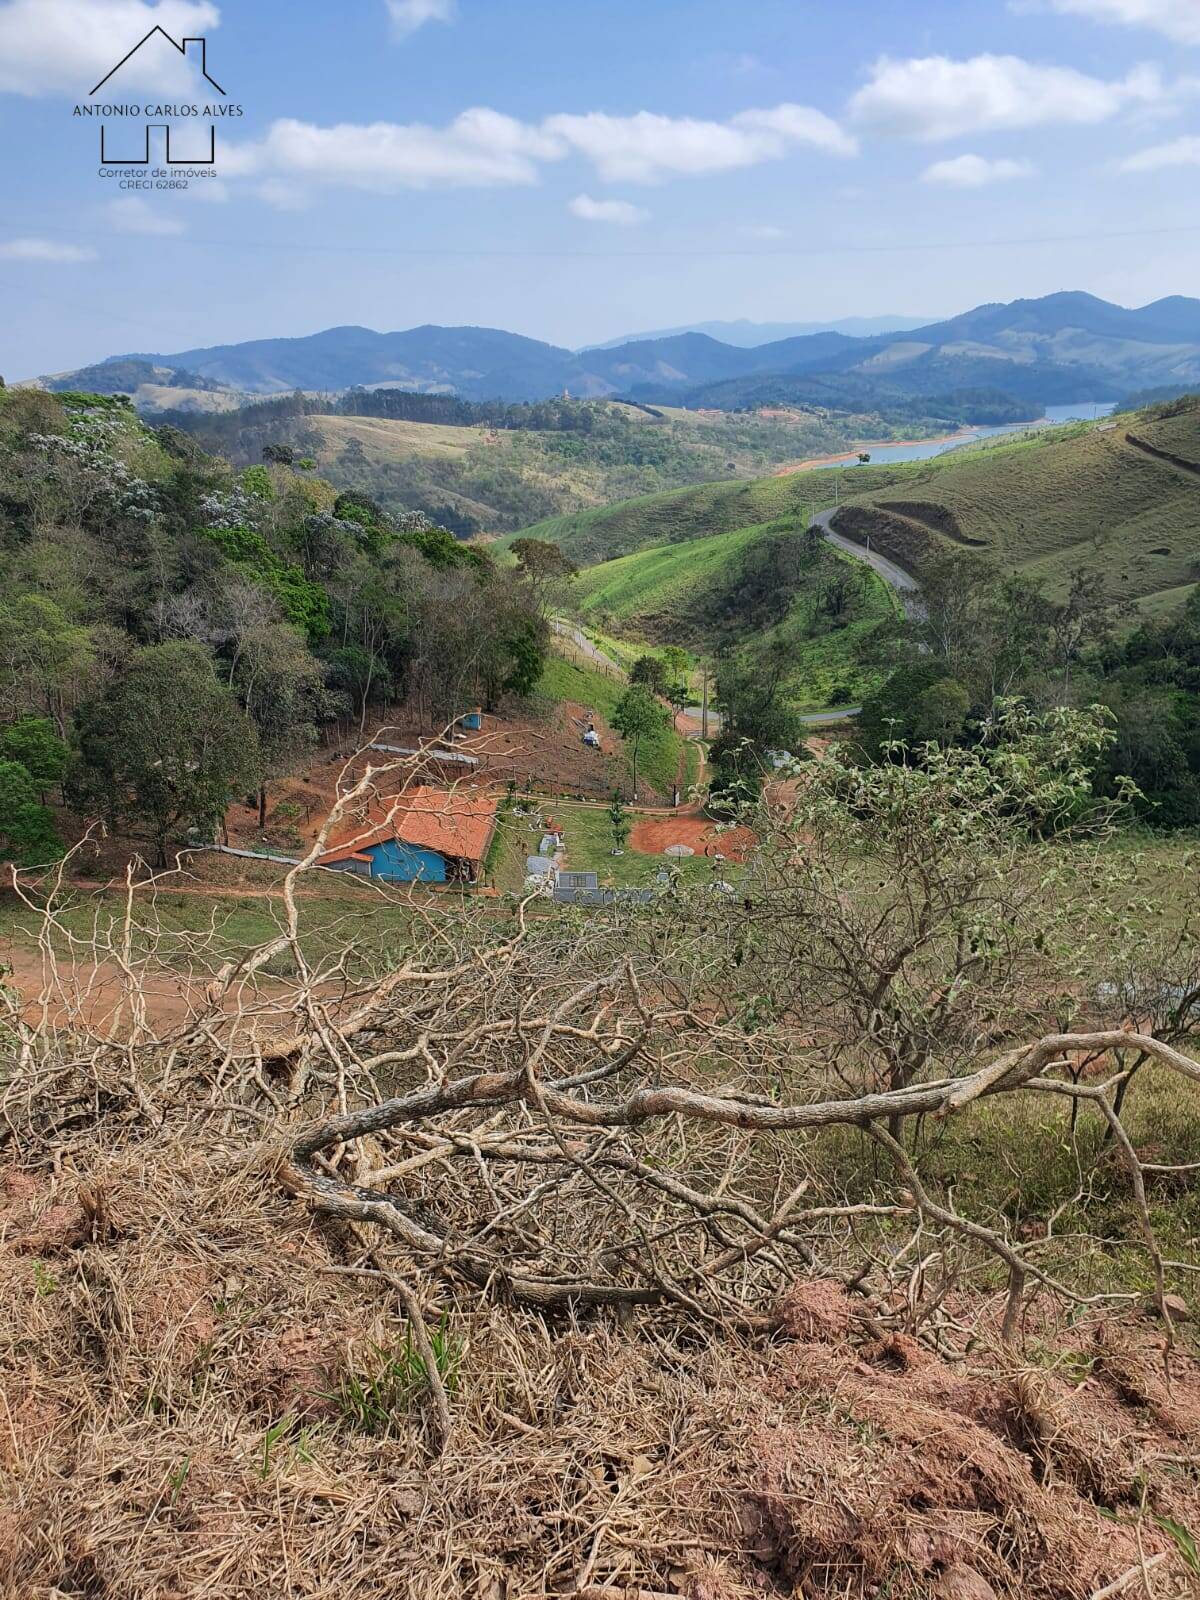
(924, 450)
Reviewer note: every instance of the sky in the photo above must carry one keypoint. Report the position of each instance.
(575, 170)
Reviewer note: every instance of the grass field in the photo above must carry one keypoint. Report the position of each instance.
(225, 921)
(662, 582)
(1091, 497)
(589, 844)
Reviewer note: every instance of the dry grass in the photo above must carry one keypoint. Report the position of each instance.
(172, 1346)
(265, 1331)
(1070, 499)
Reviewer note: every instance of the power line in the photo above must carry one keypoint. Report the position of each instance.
(307, 247)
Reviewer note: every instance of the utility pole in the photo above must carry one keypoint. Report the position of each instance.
(704, 706)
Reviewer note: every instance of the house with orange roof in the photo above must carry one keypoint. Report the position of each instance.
(423, 836)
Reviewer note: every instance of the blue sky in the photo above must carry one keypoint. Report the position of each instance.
(575, 170)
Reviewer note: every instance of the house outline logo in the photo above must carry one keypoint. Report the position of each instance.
(175, 44)
(158, 117)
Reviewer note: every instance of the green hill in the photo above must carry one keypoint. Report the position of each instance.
(681, 515)
(1121, 498)
(766, 586)
(661, 590)
(481, 469)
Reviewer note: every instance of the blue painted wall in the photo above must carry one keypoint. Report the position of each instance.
(405, 863)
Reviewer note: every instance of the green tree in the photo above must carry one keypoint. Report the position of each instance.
(44, 657)
(542, 562)
(283, 689)
(636, 715)
(678, 666)
(737, 780)
(678, 663)
(940, 713)
(650, 670)
(33, 742)
(751, 691)
(166, 746)
(887, 715)
(257, 481)
(547, 571)
(27, 832)
(618, 822)
(527, 657)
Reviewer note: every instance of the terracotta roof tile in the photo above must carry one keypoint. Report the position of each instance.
(457, 823)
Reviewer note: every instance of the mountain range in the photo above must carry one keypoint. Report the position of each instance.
(749, 335)
(1060, 349)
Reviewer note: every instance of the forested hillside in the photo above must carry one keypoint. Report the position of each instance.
(495, 468)
(174, 631)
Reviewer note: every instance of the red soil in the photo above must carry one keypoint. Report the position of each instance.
(652, 835)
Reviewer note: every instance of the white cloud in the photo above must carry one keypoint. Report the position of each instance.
(409, 15)
(647, 147)
(763, 230)
(1178, 19)
(69, 45)
(132, 214)
(480, 148)
(975, 172)
(937, 98)
(1179, 153)
(44, 250)
(485, 148)
(798, 125)
(618, 211)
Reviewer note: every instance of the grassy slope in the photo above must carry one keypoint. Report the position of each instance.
(681, 515)
(661, 754)
(1045, 505)
(1043, 502)
(656, 582)
(653, 592)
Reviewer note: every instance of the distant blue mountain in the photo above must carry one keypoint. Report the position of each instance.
(1063, 347)
(746, 335)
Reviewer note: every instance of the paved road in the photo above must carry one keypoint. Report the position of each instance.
(826, 719)
(569, 630)
(906, 586)
(814, 719)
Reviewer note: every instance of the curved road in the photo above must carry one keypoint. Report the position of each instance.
(908, 590)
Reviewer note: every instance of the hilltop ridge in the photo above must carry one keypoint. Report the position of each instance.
(1063, 347)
